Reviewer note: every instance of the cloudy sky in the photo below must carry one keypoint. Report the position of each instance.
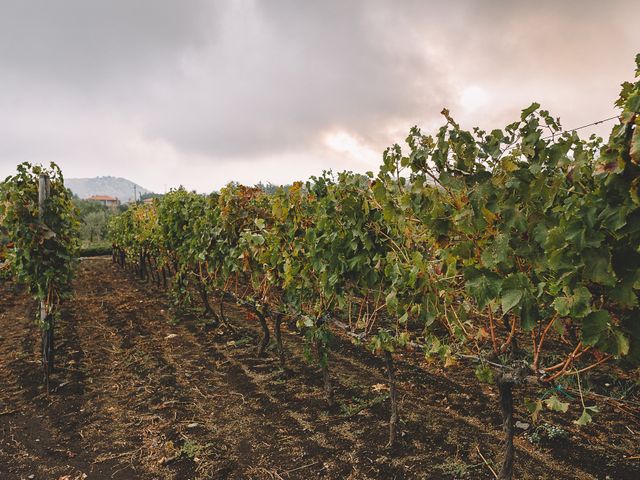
(203, 92)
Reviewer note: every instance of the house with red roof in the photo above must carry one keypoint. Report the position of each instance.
(106, 200)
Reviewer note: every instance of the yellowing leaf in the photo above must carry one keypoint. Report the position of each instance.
(554, 403)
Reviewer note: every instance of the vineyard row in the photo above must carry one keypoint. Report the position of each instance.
(472, 244)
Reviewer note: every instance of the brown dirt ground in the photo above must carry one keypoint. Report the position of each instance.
(138, 397)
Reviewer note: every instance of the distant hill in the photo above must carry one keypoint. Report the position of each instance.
(121, 188)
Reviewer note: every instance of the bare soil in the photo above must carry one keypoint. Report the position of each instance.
(136, 396)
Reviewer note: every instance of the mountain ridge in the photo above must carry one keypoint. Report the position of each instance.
(118, 187)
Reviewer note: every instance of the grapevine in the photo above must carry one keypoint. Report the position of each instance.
(471, 245)
(44, 243)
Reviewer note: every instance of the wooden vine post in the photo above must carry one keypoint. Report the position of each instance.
(394, 419)
(46, 320)
(505, 387)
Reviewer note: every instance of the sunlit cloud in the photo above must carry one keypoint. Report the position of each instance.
(474, 97)
(356, 152)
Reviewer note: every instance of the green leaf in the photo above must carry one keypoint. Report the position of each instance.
(529, 110)
(633, 102)
(598, 267)
(624, 294)
(529, 313)
(562, 305)
(259, 239)
(594, 325)
(482, 285)
(484, 373)
(510, 299)
(635, 146)
(577, 305)
(391, 300)
(622, 342)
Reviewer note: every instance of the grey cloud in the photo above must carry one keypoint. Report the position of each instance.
(204, 84)
(88, 43)
(284, 71)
